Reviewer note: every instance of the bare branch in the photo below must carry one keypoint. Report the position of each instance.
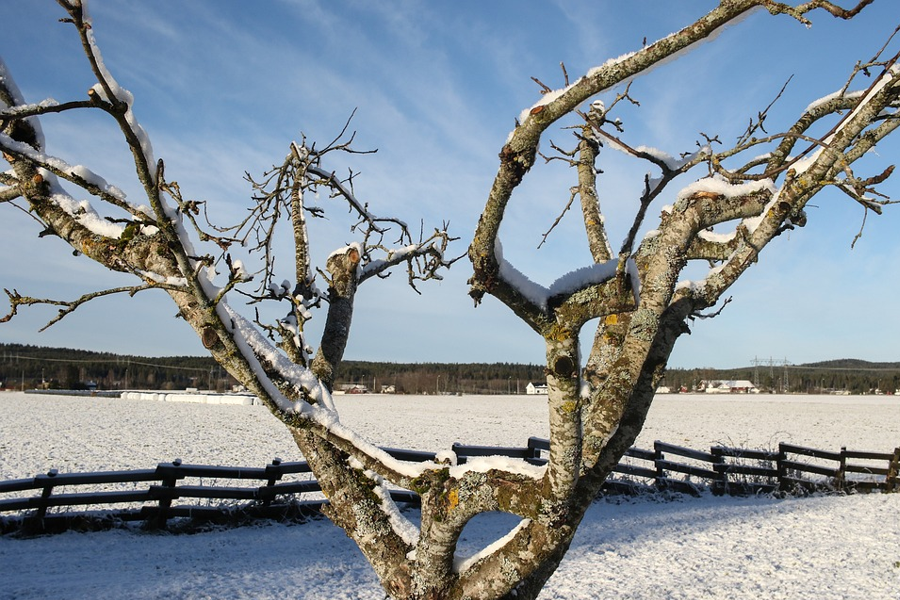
(862, 226)
(798, 12)
(758, 125)
(646, 198)
(572, 193)
(714, 314)
(544, 87)
(68, 306)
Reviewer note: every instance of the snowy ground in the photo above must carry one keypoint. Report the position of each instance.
(812, 548)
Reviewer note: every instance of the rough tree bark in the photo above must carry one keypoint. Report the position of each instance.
(597, 401)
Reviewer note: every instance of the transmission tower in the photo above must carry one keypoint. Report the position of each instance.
(770, 362)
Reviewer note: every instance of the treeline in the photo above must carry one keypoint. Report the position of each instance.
(35, 367)
(441, 378)
(844, 375)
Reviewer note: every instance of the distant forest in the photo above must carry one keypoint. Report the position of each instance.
(36, 367)
(842, 375)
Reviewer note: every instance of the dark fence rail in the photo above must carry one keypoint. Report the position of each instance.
(274, 491)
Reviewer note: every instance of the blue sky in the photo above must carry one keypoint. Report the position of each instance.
(223, 87)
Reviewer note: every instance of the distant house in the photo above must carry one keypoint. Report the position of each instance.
(532, 389)
(728, 386)
(354, 388)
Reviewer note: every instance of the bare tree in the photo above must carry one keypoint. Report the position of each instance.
(597, 400)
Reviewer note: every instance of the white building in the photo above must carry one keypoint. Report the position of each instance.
(532, 389)
(728, 386)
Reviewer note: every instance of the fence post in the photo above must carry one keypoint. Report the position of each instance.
(273, 477)
(782, 470)
(35, 524)
(840, 479)
(720, 484)
(658, 457)
(165, 502)
(892, 482)
(45, 495)
(533, 450)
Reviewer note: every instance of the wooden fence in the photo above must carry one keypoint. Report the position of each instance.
(742, 471)
(286, 488)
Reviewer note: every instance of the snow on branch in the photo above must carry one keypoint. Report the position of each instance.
(109, 90)
(462, 564)
(871, 118)
(81, 212)
(77, 174)
(9, 192)
(12, 98)
(568, 284)
(803, 162)
(719, 186)
(620, 70)
(266, 360)
(402, 526)
(425, 259)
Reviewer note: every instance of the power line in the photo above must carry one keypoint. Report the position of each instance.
(809, 368)
(117, 360)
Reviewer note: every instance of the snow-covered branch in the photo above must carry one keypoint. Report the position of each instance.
(9, 193)
(43, 108)
(108, 95)
(830, 156)
(79, 175)
(424, 259)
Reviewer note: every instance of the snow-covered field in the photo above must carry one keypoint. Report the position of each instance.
(758, 548)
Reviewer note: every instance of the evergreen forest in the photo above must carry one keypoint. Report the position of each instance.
(24, 367)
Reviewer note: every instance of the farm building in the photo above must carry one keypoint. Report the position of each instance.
(728, 386)
(532, 389)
